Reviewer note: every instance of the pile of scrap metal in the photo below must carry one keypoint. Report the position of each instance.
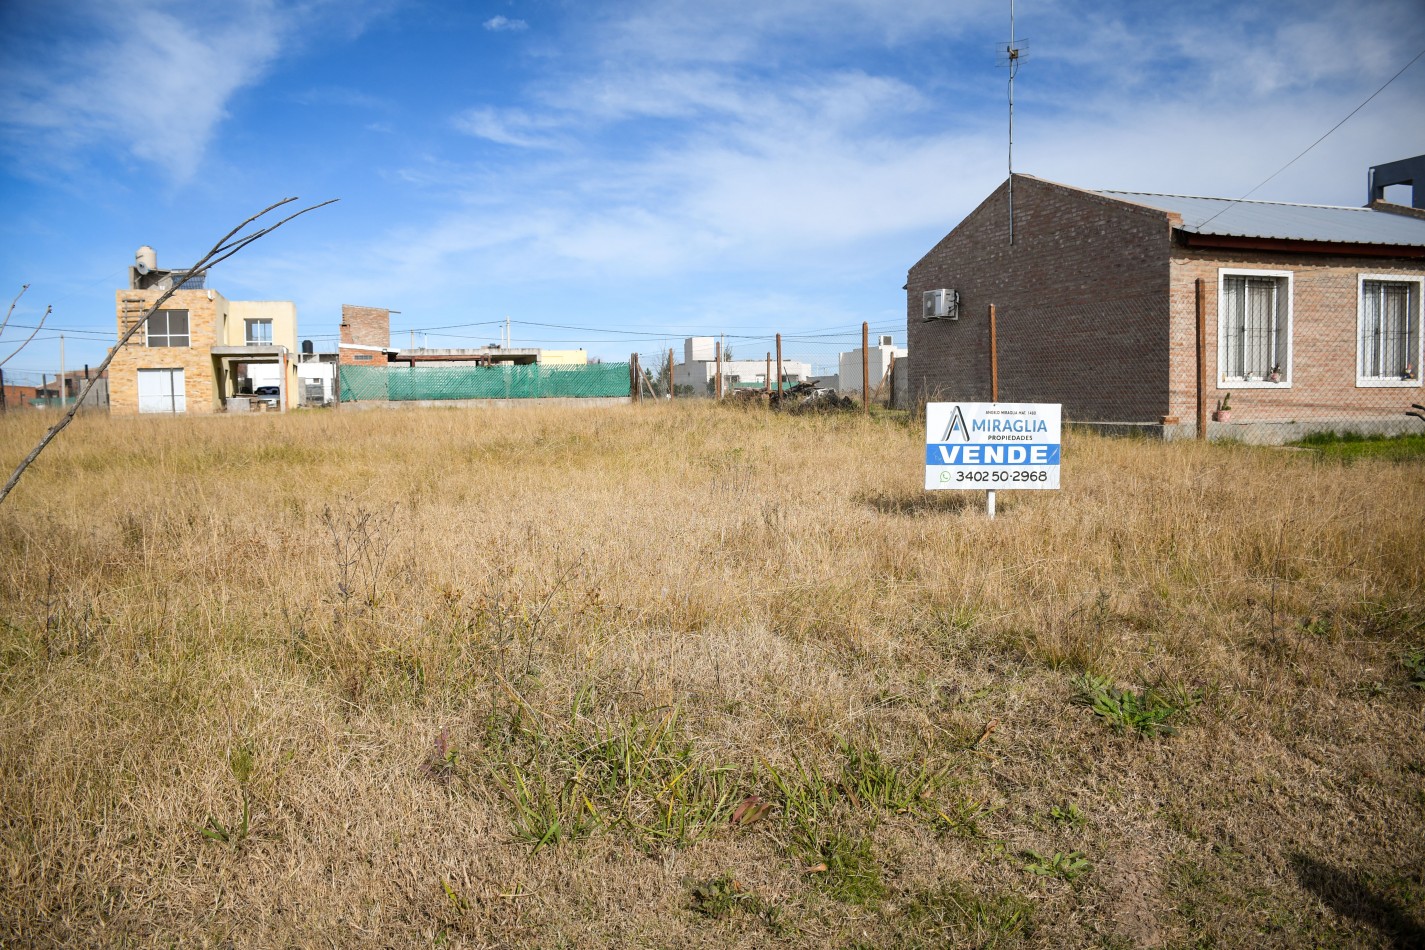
(806, 396)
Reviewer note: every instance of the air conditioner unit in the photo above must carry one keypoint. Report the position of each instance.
(886, 340)
(941, 305)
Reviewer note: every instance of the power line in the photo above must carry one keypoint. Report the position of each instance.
(1317, 142)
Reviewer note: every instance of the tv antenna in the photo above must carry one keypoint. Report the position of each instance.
(1011, 54)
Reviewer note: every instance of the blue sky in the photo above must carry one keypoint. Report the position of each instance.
(641, 169)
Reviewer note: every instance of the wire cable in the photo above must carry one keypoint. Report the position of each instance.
(1316, 143)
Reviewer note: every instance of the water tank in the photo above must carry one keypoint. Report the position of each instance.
(307, 347)
(146, 259)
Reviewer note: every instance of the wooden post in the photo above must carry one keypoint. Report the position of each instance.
(633, 378)
(865, 367)
(994, 359)
(994, 387)
(670, 372)
(767, 376)
(779, 367)
(1201, 364)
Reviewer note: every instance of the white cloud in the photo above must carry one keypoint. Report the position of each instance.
(502, 24)
(703, 145)
(150, 79)
(509, 126)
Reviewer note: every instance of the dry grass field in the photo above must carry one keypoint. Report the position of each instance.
(695, 676)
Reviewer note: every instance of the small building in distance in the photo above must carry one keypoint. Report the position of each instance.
(202, 350)
(697, 374)
(879, 359)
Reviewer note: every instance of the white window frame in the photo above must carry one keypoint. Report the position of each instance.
(1233, 382)
(252, 323)
(1378, 382)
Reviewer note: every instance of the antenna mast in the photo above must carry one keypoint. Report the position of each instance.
(1012, 53)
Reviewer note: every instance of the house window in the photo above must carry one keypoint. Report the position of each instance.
(259, 332)
(1388, 350)
(168, 328)
(362, 357)
(1254, 327)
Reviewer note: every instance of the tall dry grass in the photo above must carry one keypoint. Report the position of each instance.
(626, 621)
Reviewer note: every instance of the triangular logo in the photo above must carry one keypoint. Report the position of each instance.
(957, 421)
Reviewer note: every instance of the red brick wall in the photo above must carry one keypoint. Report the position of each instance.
(1325, 303)
(367, 326)
(1081, 302)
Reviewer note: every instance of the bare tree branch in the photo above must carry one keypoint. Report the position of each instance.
(239, 245)
(43, 318)
(23, 288)
(225, 247)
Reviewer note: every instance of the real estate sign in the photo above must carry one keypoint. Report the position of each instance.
(991, 445)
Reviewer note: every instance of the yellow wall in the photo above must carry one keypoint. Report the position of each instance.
(563, 357)
(282, 313)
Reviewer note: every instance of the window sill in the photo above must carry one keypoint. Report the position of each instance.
(1252, 384)
(1387, 383)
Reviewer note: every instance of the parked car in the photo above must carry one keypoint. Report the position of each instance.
(272, 395)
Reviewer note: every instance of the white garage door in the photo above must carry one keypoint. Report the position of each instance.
(161, 390)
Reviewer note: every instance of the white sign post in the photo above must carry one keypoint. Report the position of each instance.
(991, 445)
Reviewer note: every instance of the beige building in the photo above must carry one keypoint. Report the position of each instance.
(201, 353)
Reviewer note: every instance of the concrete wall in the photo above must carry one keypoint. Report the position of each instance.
(1081, 301)
(878, 364)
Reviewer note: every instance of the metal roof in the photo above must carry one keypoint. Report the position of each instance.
(1289, 222)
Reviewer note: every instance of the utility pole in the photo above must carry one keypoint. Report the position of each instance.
(779, 368)
(717, 383)
(865, 367)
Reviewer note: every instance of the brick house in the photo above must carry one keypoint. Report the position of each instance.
(201, 350)
(1145, 310)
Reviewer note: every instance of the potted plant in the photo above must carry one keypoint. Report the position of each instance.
(1223, 412)
(1275, 376)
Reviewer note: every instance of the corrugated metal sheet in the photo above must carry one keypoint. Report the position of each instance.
(1270, 219)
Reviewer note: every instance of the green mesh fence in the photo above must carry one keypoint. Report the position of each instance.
(401, 383)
